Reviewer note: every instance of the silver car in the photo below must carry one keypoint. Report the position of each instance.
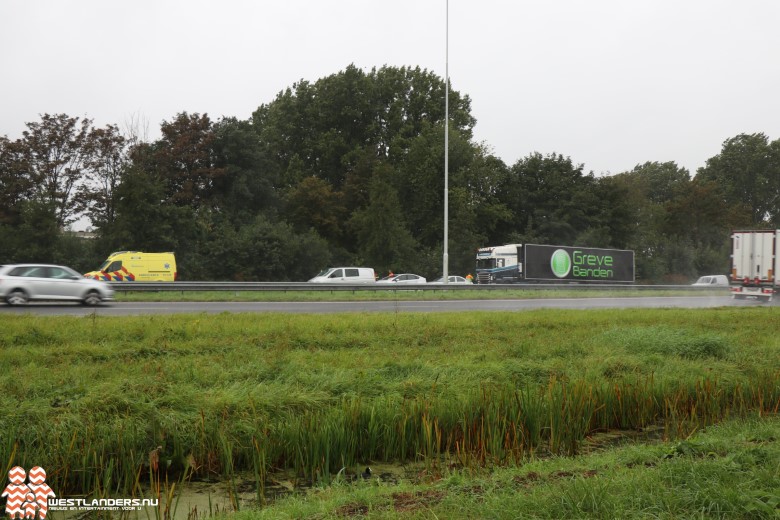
(21, 283)
(453, 280)
(403, 279)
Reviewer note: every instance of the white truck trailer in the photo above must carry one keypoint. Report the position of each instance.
(754, 263)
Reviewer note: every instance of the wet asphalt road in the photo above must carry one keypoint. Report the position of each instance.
(157, 308)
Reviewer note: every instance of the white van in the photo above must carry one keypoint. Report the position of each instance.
(715, 280)
(345, 275)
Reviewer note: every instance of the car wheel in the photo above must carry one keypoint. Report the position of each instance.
(92, 299)
(16, 297)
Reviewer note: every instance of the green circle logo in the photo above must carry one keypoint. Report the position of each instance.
(560, 263)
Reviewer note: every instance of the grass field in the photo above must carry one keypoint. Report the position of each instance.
(542, 414)
(410, 294)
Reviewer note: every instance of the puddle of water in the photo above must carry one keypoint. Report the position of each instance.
(201, 499)
(197, 500)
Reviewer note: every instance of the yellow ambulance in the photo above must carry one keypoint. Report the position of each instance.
(135, 266)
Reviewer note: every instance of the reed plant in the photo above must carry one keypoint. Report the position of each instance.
(725, 471)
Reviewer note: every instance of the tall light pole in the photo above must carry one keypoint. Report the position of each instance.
(446, 259)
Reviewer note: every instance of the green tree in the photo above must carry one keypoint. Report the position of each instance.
(660, 182)
(327, 139)
(360, 172)
(483, 179)
(264, 250)
(42, 181)
(385, 241)
(323, 124)
(108, 159)
(648, 190)
(699, 217)
(37, 236)
(408, 102)
(144, 221)
(420, 181)
(748, 172)
(285, 127)
(549, 197)
(465, 234)
(16, 185)
(475, 209)
(56, 152)
(185, 159)
(314, 204)
(248, 186)
(609, 214)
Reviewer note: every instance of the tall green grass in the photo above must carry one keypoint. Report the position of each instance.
(727, 471)
(96, 401)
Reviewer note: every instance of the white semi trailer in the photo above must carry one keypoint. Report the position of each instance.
(754, 263)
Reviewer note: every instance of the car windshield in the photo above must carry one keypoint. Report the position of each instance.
(388, 277)
(325, 272)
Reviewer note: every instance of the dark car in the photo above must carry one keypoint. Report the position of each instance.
(21, 283)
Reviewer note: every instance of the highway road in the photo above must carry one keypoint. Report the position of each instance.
(160, 308)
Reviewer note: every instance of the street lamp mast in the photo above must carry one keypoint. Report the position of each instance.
(446, 138)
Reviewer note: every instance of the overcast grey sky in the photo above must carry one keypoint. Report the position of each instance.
(609, 83)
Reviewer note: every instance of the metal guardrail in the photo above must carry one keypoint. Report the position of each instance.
(305, 286)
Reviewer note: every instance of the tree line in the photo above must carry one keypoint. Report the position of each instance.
(348, 170)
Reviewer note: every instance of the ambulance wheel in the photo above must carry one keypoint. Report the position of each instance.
(92, 298)
(16, 297)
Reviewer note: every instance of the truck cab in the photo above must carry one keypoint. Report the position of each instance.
(499, 264)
